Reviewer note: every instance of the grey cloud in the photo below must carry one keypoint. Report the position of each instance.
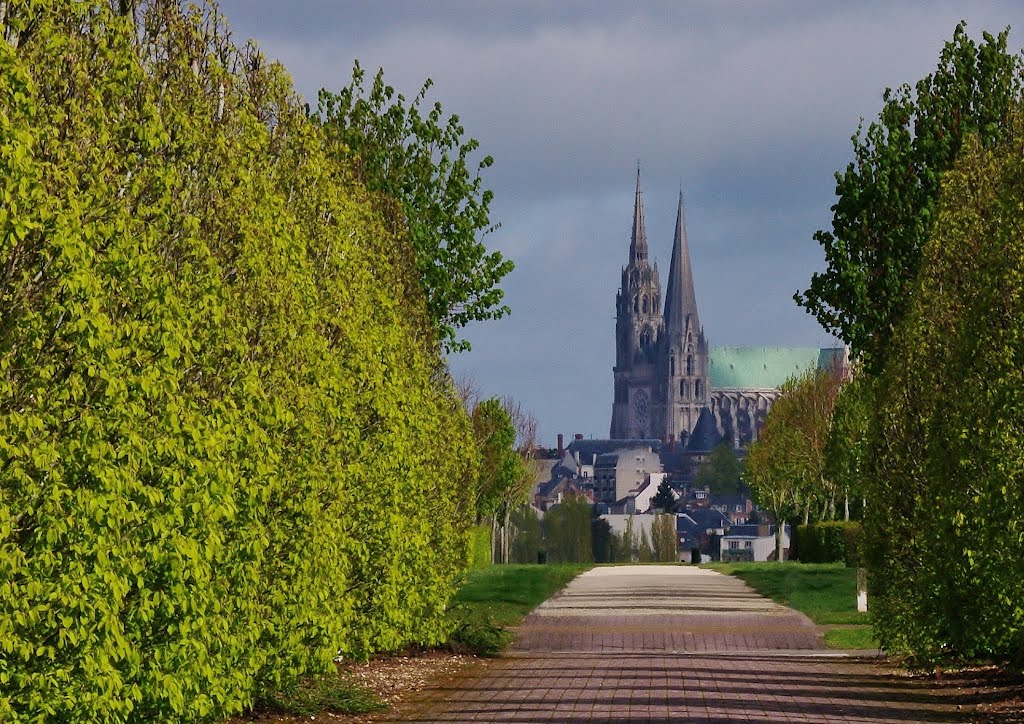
(749, 106)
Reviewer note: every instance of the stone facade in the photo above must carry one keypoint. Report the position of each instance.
(661, 374)
(665, 373)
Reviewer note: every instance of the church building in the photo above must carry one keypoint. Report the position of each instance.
(667, 379)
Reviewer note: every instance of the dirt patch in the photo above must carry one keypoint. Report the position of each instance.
(394, 680)
(993, 693)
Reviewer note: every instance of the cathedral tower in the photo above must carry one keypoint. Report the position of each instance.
(636, 406)
(682, 349)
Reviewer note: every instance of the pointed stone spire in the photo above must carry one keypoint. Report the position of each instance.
(680, 299)
(638, 242)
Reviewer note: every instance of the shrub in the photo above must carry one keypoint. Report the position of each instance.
(476, 633)
(479, 547)
(831, 542)
(228, 449)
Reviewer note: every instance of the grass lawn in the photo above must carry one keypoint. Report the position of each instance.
(825, 592)
(506, 593)
(851, 637)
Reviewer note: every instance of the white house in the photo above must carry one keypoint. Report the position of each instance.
(752, 543)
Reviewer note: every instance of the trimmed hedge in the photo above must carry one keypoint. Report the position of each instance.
(831, 542)
(479, 547)
(229, 450)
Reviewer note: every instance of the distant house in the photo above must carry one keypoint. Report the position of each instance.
(561, 486)
(752, 543)
(737, 508)
(700, 529)
(610, 471)
(637, 500)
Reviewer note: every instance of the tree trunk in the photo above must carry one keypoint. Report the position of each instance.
(494, 537)
(505, 535)
(846, 507)
(778, 539)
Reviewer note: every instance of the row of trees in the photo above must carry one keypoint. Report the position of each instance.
(229, 447)
(569, 533)
(925, 282)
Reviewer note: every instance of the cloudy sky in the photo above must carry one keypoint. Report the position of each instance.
(746, 106)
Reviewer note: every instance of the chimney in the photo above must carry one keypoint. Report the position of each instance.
(561, 446)
(578, 436)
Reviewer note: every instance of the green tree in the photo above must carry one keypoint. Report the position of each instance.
(945, 502)
(723, 473)
(229, 450)
(602, 540)
(645, 552)
(785, 468)
(665, 499)
(500, 465)
(663, 539)
(527, 539)
(887, 196)
(628, 544)
(567, 532)
(846, 449)
(420, 159)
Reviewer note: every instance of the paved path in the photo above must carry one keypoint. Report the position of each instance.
(674, 644)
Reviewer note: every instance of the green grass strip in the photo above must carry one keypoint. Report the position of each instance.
(507, 593)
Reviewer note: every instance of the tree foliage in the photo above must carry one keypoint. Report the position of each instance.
(786, 468)
(501, 468)
(567, 532)
(945, 500)
(665, 499)
(419, 158)
(723, 473)
(229, 451)
(846, 450)
(887, 196)
(527, 538)
(663, 539)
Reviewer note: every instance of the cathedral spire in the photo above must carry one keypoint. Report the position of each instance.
(680, 299)
(638, 242)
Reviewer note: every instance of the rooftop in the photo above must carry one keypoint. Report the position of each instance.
(767, 367)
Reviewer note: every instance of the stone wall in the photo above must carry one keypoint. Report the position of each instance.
(739, 413)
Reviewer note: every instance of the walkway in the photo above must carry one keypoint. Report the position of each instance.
(674, 644)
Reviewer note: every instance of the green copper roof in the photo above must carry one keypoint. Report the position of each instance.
(766, 367)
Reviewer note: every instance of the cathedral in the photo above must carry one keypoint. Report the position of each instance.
(668, 383)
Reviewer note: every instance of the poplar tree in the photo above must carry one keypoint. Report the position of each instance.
(887, 196)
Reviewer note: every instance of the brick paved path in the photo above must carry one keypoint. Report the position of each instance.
(674, 644)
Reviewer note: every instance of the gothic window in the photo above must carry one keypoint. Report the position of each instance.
(689, 364)
(645, 338)
(672, 366)
(682, 389)
(636, 304)
(698, 390)
(645, 304)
